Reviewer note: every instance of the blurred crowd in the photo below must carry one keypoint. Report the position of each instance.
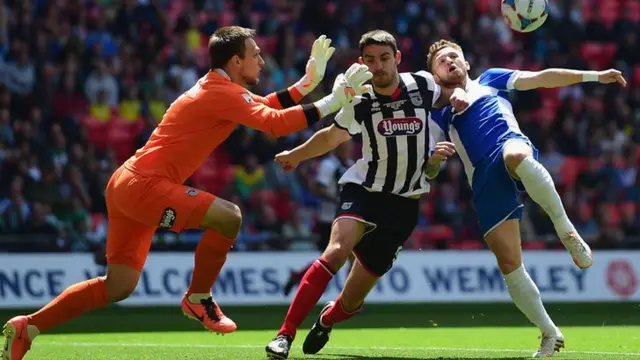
(84, 82)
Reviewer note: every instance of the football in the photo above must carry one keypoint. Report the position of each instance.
(525, 15)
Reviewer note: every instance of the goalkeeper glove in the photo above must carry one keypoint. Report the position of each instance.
(321, 52)
(345, 88)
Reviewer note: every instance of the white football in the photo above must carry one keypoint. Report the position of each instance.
(525, 15)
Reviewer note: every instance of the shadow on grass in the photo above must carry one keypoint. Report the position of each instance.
(160, 319)
(368, 357)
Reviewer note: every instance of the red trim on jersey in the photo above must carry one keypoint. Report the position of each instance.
(396, 93)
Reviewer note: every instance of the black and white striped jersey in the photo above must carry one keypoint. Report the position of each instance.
(398, 136)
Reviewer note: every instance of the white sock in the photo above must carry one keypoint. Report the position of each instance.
(526, 296)
(540, 187)
(32, 332)
(195, 298)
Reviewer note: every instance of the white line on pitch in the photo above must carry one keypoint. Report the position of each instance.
(388, 348)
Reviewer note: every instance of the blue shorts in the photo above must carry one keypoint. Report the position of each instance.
(495, 192)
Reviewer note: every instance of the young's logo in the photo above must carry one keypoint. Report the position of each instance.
(400, 127)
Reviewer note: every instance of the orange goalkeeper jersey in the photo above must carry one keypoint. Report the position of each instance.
(203, 117)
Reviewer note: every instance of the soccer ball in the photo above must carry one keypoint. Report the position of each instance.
(525, 15)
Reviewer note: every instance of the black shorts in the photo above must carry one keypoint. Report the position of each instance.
(324, 233)
(389, 220)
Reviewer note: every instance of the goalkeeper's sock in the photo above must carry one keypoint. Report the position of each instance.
(526, 297)
(74, 301)
(312, 286)
(211, 254)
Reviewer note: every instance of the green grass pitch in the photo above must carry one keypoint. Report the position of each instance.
(381, 332)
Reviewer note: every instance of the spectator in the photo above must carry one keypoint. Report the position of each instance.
(14, 209)
(586, 225)
(131, 106)
(101, 80)
(20, 75)
(552, 160)
(249, 177)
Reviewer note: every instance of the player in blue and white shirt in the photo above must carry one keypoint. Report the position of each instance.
(500, 162)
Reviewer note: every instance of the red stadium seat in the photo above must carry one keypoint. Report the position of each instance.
(636, 75)
(615, 215)
(534, 245)
(570, 170)
(628, 207)
(632, 11)
(466, 245)
(121, 135)
(599, 54)
(96, 131)
(96, 220)
(440, 233)
(420, 240)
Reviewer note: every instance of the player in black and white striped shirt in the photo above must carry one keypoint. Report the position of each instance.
(379, 200)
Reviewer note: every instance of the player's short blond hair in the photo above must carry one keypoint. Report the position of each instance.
(437, 46)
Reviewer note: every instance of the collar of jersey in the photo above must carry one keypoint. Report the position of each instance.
(401, 87)
(222, 72)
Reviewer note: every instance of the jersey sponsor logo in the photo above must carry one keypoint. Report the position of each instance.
(400, 127)
(168, 218)
(247, 98)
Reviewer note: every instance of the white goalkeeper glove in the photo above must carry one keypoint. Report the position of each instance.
(345, 88)
(321, 52)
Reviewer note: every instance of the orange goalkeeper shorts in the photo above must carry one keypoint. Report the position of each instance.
(138, 205)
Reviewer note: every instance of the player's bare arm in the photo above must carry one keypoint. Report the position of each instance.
(442, 152)
(554, 78)
(319, 144)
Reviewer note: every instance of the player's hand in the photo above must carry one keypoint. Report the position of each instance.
(349, 85)
(442, 152)
(321, 52)
(357, 75)
(287, 160)
(459, 100)
(611, 76)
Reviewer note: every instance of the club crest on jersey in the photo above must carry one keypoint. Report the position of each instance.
(400, 127)
(416, 98)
